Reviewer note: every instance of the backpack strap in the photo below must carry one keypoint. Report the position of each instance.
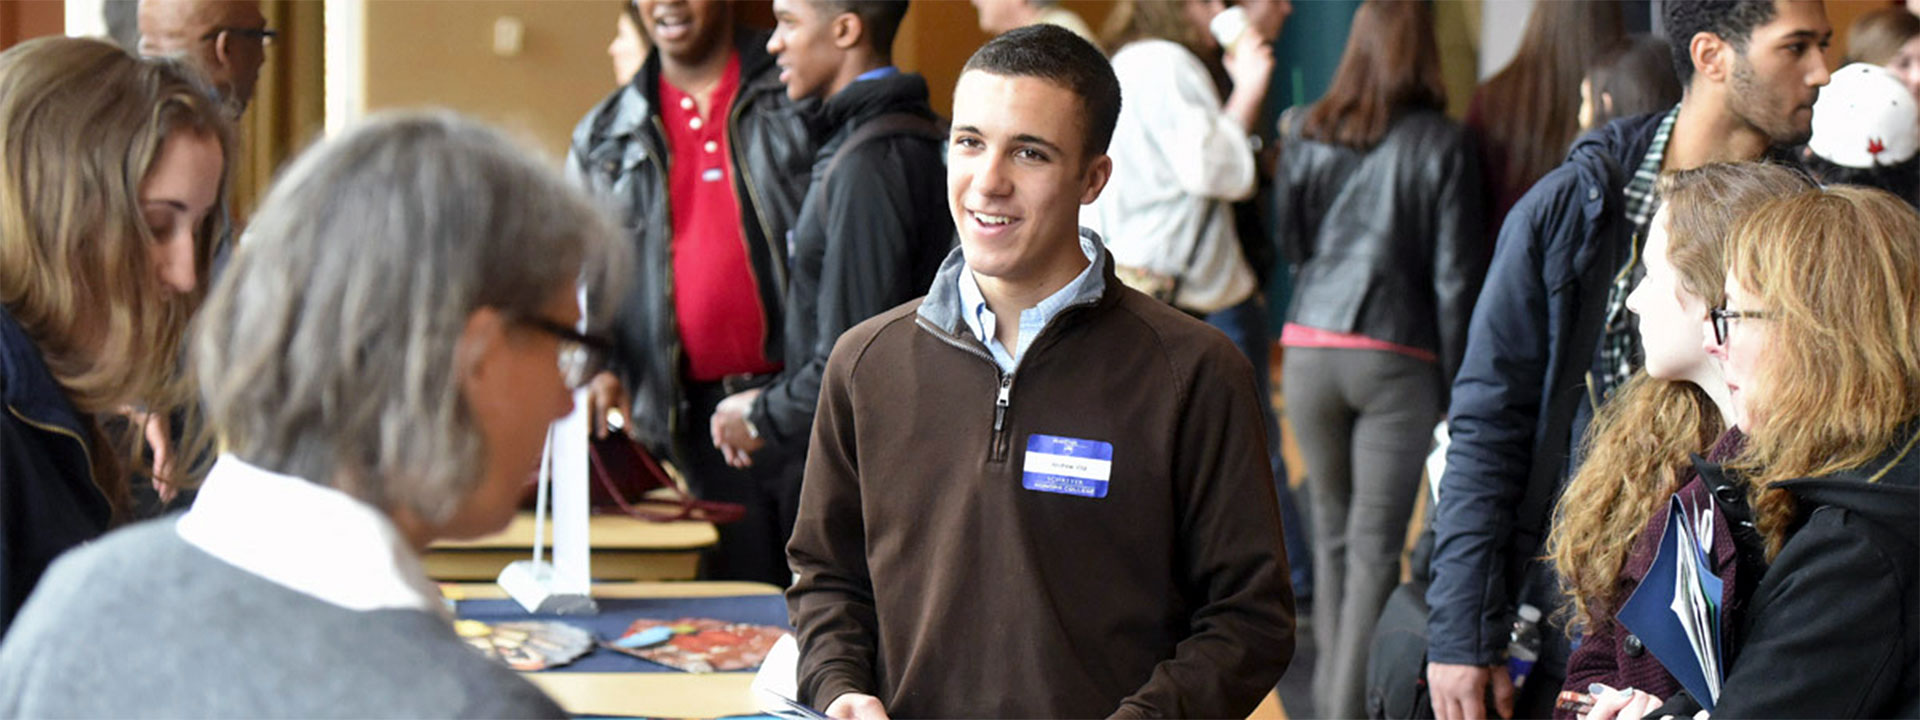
(887, 125)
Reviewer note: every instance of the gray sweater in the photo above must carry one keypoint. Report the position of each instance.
(142, 624)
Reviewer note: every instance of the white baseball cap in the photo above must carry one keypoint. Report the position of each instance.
(1865, 118)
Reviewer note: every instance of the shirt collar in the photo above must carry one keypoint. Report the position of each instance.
(877, 73)
(307, 537)
(981, 320)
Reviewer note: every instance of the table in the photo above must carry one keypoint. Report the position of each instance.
(675, 694)
(624, 548)
(657, 694)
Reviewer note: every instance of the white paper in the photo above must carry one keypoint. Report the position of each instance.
(779, 677)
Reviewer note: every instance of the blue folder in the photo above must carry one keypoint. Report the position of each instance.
(1651, 614)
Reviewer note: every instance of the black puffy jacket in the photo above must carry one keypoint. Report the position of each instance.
(1386, 242)
(617, 153)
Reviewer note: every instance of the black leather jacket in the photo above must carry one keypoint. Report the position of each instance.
(1386, 242)
(617, 153)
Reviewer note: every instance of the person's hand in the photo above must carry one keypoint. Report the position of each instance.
(729, 428)
(856, 706)
(1624, 703)
(1459, 691)
(608, 404)
(1250, 63)
(160, 441)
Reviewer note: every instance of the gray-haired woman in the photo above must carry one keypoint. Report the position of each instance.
(380, 363)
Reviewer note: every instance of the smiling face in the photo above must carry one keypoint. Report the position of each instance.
(175, 197)
(1742, 355)
(687, 31)
(803, 44)
(1671, 318)
(1017, 174)
(1774, 83)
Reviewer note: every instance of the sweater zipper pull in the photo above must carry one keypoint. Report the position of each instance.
(1000, 403)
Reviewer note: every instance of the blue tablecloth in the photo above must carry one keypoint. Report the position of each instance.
(618, 613)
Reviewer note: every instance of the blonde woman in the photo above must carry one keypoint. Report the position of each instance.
(111, 180)
(1639, 449)
(1820, 335)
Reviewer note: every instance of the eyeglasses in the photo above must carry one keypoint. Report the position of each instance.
(1721, 315)
(581, 356)
(264, 35)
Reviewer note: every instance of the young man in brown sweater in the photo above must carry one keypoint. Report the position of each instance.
(1036, 493)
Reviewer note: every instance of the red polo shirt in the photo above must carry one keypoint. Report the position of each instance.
(723, 326)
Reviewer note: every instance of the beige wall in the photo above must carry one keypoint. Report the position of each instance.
(939, 35)
(439, 53)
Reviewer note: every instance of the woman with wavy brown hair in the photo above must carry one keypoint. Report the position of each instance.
(1640, 451)
(112, 175)
(1820, 335)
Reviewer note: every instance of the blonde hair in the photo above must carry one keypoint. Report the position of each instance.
(1838, 273)
(1644, 435)
(84, 123)
(1136, 20)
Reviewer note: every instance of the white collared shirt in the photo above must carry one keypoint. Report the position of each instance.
(307, 537)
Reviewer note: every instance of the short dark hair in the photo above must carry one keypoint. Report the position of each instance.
(881, 18)
(1731, 20)
(1056, 55)
(1635, 72)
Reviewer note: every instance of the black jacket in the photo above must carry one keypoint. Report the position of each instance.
(1834, 628)
(49, 501)
(1519, 401)
(870, 236)
(1386, 241)
(618, 153)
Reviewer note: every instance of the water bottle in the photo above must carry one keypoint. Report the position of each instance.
(1523, 647)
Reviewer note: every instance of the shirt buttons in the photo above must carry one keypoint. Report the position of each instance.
(686, 103)
(712, 146)
(1633, 646)
(695, 123)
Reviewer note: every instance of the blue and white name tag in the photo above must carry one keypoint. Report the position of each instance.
(1068, 466)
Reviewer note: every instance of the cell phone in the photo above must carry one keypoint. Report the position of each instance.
(1578, 703)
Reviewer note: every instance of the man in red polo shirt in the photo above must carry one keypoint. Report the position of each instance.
(707, 162)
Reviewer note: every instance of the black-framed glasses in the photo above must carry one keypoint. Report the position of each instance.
(1721, 319)
(264, 35)
(582, 356)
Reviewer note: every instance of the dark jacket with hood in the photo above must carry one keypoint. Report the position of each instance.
(1520, 401)
(49, 501)
(870, 236)
(619, 152)
(1834, 628)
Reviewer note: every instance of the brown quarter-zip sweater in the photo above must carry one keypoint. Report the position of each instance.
(931, 576)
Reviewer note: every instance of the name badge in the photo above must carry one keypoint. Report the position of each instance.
(1067, 466)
